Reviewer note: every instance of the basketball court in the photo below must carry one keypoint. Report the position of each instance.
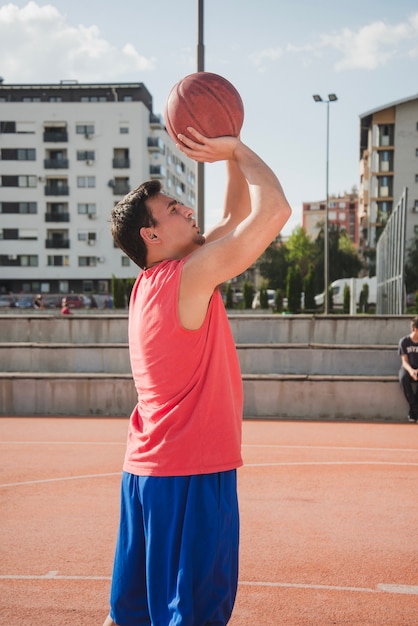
(329, 517)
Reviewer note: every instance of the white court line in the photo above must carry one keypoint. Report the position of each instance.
(284, 464)
(380, 588)
(56, 480)
(244, 445)
(395, 463)
(64, 443)
(270, 445)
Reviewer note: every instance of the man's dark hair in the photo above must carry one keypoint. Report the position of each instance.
(129, 216)
(414, 322)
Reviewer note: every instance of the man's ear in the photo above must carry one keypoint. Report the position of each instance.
(148, 235)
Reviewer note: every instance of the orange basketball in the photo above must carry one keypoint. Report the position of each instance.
(206, 101)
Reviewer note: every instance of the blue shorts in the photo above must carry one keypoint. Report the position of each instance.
(176, 561)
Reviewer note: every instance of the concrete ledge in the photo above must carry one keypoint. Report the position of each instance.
(255, 358)
(325, 397)
(269, 396)
(23, 394)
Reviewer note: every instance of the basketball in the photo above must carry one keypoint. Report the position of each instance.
(206, 101)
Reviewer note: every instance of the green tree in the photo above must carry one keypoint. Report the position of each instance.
(309, 289)
(229, 302)
(300, 250)
(411, 266)
(278, 301)
(264, 300)
(247, 294)
(343, 262)
(346, 298)
(118, 293)
(273, 265)
(294, 289)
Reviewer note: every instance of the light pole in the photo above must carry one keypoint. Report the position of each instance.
(331, 98)
(200, 172)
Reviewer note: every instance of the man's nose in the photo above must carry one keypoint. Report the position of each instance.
(187, 212)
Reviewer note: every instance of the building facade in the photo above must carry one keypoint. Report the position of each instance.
(388, 164)
(342, 214)
(68, 153)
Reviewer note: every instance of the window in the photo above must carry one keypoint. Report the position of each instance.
(126, 261)
(7, 127)
(58, 261)
(20, 154)
(86, 236)
(18, 181)
(87, 261)
(92, 99)
(124, 130)
(86, 181)
(27, 181)
(84, 129)
(18, 207)
(88, 208)
(28, 260)
(85, 155)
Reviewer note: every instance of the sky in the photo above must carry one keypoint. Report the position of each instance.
(277, 53)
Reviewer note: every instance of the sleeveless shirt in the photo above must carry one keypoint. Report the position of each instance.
(189, 412)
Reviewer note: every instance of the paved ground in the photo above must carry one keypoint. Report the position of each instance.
(329, 516)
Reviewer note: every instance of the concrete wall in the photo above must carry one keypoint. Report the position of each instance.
(298, 367)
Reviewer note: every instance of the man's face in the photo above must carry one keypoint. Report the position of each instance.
(176, 228)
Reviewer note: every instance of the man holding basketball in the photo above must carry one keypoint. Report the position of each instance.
(176, 560)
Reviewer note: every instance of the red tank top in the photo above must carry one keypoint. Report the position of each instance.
(189, 411)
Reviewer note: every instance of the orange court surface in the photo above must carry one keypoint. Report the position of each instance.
(329, 522)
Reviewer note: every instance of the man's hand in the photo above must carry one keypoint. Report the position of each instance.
(205, 149)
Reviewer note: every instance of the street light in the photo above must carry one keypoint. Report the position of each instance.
(331, 98)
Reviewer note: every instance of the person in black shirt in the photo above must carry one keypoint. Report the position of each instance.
(408, 374)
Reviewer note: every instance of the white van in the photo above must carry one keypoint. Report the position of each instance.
(355, 285)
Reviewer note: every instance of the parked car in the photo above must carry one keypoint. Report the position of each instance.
(24, 302)
(410, 298)
(51, 301)
(74, 301)
(271, 296)
(6, 301)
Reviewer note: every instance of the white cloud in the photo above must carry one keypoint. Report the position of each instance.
(371, 46)
(367, 48)
(270, 54)
(42, 38)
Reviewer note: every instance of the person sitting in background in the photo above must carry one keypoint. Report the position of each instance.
(38, 302)
(408, 350)
(65, 310)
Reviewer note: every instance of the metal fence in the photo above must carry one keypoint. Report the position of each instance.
(390, 262)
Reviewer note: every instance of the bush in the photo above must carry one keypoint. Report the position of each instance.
(247, 295)
(264, 299)
(229, 301)
(346, 298)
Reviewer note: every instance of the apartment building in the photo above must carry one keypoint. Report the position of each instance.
(68, 153)
(388, 164)
(342, 214)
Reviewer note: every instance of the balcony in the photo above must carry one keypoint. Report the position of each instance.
(56, 135)
(57, 217)
(121, 162)
(156, 121)
(57, 242)
(121, 189)
(56, 164)
(155, 144)
(64, 190)
(157, 171)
